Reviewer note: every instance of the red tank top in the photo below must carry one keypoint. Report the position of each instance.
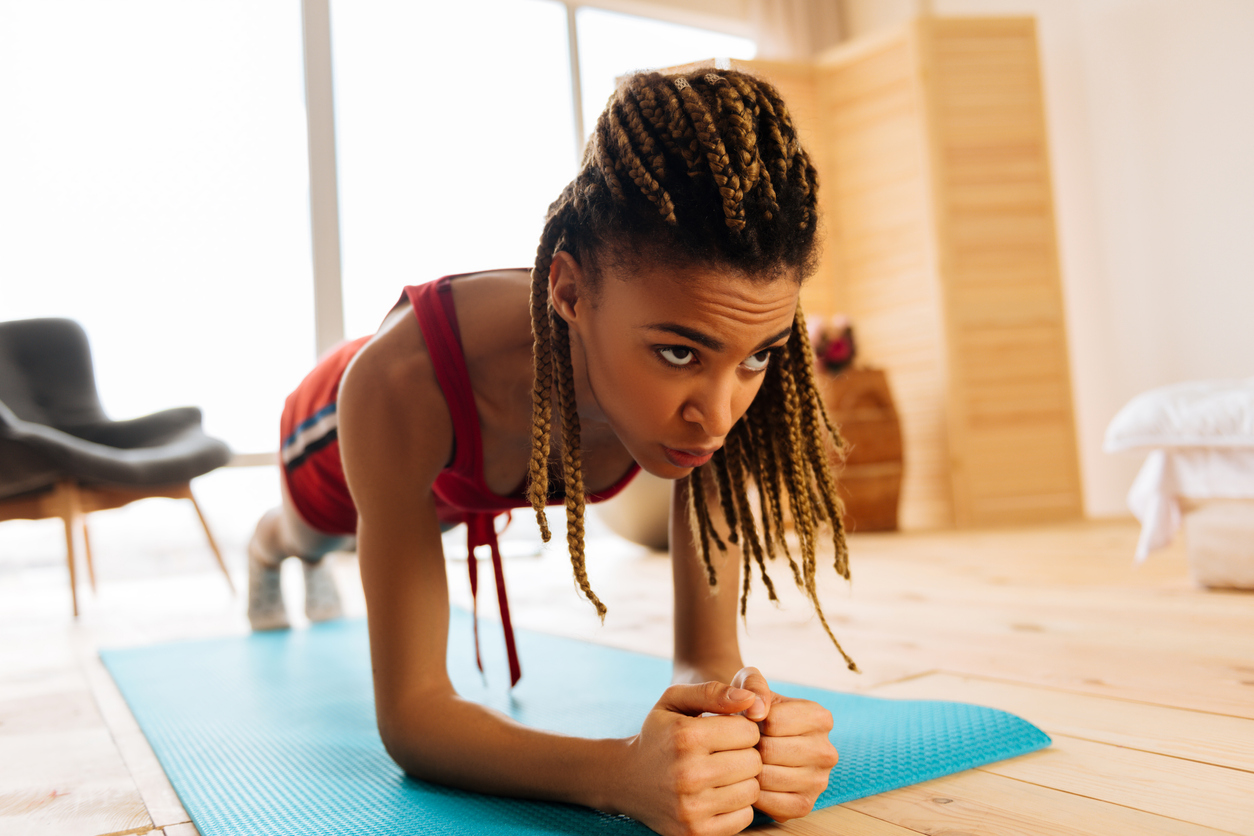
(462, 493)
(309, 436)
(311, 456)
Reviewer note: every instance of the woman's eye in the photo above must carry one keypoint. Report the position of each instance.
(677, 355)
(759, 361)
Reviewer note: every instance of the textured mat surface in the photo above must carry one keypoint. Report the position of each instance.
(275, 733)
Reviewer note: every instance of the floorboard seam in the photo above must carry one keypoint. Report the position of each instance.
(1153, 752)
(1108, 801)
(1059, 689)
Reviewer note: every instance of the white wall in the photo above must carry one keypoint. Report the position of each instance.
(1151, 110)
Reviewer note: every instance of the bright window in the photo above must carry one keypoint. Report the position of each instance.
(613, 44)
(454, 133)
(153, 186)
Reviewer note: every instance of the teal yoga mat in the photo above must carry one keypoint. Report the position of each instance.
(275, 732)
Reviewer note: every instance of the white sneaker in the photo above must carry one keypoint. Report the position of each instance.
(322, 597)
(265, 594)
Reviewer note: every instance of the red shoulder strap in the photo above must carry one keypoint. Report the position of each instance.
(437, 317)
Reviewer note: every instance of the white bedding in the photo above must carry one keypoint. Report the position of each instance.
(1197, 473)
(1202, 435)
(1200, 413)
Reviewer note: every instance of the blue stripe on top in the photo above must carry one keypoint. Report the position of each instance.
(314, 432)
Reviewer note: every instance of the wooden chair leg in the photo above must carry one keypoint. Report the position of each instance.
(91, 566)
(79, 519)
(212, 543)
(68, 500)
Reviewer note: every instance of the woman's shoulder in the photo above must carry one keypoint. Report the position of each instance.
(390, 398)
(395, 358)
(393, 380)
(493, 313)
(490, 307)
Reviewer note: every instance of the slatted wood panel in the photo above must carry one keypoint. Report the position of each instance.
(941, 227)
(881, 237)
(1012, 437)
(931, 148)
(872, 155)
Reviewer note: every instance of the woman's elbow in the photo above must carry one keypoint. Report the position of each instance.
(412, 739)
(406, 744)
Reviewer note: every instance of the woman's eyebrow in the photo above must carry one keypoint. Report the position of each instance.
(781, 335)
(705, 340)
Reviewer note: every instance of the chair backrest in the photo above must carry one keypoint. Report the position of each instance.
(46, 374)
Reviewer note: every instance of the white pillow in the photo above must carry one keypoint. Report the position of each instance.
(1204, 413)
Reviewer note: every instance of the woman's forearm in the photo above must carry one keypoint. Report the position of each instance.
(459, 743)
(707, 642)
(686, 771)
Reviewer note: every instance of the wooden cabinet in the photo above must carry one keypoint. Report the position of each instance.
(940, 246)
(860, 404)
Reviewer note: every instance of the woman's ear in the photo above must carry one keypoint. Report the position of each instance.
(566, 282)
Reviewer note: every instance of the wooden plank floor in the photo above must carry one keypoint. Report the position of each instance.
(1145, 684)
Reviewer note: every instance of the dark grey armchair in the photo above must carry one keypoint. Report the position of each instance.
(61, 456)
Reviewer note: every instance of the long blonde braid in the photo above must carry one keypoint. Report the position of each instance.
(703, 167)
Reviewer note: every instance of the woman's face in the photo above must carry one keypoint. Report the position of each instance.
(671, 357)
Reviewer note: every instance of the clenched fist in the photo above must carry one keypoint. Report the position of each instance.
(797, 756)
(687, 774)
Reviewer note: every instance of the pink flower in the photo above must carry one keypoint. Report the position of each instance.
(833, 343)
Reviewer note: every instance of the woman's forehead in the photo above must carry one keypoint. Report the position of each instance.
(704, 293)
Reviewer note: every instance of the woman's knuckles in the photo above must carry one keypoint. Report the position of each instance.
(712, 734)
(689, 777)
(803, 781)
(694, 811)
(713, 692)
(754, 761)
(686, 737)
(779, 750)
(738, 820)
(784, 806)
(791, 718)
(694, 775)
(816, 785)
(709, 826)
(688, 781)
(746, 765)
(813, 751)
(750, 792)
(710, 811)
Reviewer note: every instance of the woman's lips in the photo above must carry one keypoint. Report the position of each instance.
(685, 458)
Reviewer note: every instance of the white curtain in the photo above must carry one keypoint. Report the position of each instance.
(794, 30)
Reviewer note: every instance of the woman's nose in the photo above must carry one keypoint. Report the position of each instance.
(712, 410)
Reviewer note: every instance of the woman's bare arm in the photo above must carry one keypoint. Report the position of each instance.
(395, 436)
(706, 641)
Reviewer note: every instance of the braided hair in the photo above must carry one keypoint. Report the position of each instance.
(699, 168)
